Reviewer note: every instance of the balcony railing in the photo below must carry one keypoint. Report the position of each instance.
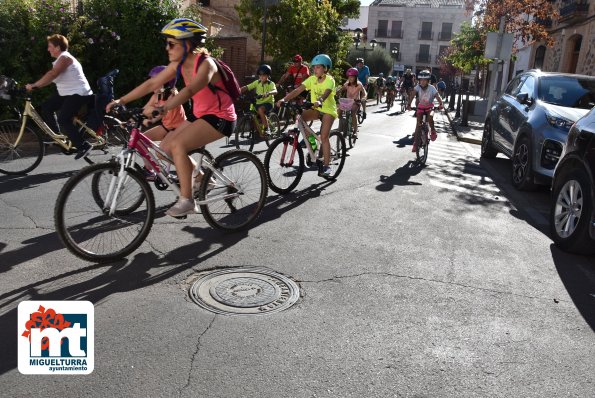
(425, 35)
(546, 23)
(423, 57)
(385, 33)
(445, 36)
(576, 9)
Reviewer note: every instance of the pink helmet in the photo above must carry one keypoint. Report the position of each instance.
(352, 72)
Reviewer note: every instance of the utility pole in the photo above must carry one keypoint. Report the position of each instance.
(495, 64)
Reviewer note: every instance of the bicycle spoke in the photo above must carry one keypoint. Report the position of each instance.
(234, 206)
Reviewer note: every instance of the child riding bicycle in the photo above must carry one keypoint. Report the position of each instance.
(425, 94)
(322, 93)
(265, 90)
(354, 90)
(161, 125)
(212, 105)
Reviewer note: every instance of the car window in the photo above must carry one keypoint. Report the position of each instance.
(568, 91)
(528, 86)
(514, 85)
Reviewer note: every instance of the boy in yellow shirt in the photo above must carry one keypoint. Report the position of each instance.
(265, 91)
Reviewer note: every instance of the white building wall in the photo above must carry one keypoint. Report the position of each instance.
(412, 17)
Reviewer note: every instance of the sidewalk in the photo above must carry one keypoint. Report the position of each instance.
(471, 133)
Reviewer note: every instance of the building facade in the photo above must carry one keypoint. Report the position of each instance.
(574, 36)
(240, 51)
(419, 30)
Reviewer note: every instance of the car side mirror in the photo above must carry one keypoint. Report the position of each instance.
(524, 99)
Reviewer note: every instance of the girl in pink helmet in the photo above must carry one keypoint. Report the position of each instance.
(355, 90)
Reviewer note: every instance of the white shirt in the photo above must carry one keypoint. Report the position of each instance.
(426, 97)
(72, 80)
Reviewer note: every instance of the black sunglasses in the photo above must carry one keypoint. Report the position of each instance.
(170, 44)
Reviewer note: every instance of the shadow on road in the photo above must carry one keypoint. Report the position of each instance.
(400, 177)
(404, 141)
(19, 183)
(97, 282)
(576, 273)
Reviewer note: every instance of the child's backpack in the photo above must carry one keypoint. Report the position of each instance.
(232, 87)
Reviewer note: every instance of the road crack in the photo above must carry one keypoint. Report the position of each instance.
(198, 344)
(418, 278)
(23, 214)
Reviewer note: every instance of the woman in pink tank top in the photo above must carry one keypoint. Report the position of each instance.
(214, 109)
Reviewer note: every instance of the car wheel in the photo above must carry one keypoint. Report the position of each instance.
(487, 149)
(522, 166)
(572, 212)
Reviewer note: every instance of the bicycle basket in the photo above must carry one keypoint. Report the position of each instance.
(345, 104)
(7, 86)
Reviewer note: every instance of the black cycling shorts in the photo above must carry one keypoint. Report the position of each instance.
(225, 127)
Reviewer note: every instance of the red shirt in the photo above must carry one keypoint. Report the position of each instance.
(299, 75)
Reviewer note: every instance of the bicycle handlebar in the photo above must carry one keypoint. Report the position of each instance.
(122, 112)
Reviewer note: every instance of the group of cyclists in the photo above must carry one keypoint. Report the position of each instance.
(213, 106)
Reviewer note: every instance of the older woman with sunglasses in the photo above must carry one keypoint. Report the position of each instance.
(213, 108)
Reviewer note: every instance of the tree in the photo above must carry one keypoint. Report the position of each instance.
(308, 27)
(525, 19)
(467, 48)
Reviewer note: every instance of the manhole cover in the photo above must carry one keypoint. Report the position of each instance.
(244, 291)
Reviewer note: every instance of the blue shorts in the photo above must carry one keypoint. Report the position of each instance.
(267, 107)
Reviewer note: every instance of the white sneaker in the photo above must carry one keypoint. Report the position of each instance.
(183, 207)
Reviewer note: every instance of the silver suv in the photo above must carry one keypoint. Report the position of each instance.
(530, 121)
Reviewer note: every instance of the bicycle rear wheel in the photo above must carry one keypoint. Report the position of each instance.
(26, 156)
(274, 127)
(232, 206)
(338, 154)
(245, 134)
(422, 145)
(283, 176)
(115, 136)
(85, 226)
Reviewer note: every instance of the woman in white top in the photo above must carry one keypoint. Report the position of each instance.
(73, 92)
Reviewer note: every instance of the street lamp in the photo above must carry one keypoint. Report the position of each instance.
(395, 52)
(357, 39)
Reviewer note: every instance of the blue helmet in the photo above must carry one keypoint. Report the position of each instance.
(322, 59)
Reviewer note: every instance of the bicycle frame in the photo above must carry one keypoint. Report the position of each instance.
(139, 143)
(60, 139)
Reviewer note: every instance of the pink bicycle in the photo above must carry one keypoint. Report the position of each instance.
(105, 212)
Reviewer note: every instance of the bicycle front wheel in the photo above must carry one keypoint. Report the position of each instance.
(82, 213)
(245, 135)
(234, 196)
(338, 154)
(21, 158)
(422, 146)
(274, 127)
(284, 173)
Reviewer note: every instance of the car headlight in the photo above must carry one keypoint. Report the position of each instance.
(559, 122)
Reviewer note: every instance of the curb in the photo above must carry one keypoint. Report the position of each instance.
(460, 136)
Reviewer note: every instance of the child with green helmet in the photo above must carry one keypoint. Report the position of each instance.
(265, 91)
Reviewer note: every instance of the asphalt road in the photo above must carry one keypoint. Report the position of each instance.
(438, 281)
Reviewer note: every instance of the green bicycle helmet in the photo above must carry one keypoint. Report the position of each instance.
(322, 59)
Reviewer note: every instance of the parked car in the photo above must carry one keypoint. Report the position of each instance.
(529, 123)
(572, 215)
